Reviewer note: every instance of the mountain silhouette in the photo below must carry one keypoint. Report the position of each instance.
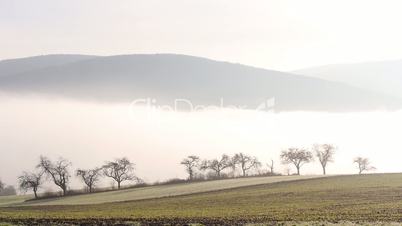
(166, 77)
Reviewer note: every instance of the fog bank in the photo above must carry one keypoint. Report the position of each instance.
(90, 133)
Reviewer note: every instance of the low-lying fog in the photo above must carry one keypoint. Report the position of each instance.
(88, 134)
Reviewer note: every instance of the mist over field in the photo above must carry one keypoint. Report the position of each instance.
(89, 133)
(200, 112)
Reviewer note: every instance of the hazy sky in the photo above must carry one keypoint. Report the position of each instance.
(281, 34)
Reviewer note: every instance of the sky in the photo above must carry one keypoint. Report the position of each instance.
(274, 34)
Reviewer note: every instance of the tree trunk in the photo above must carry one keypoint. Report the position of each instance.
(272, 166)
(64, 191)
(191, 175)
(35, 193)
(323, 170)
(118, 185)
(298, 170)
(244, 172)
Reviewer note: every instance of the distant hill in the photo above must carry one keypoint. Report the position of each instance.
(383, 77)
(165, 77)
(15, 66)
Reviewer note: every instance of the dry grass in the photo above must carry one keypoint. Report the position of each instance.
(358, 199)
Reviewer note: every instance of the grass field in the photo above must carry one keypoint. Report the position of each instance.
(357, 198)
(151, 191)
(13, 199)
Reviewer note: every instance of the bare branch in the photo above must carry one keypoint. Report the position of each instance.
(191, 163)
(217, 165)
(296, 156)
(58, 171)
(120, 170)
(30, 181)
(246, 162)
(89, 177)
(325, 154)
(363, 164)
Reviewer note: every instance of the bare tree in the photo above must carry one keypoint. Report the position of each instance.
(297, 156)
(191, 163)
(325, 154)
(120, 170)
(363, 164)
(30, 181)
(246, 162)
(90, 177)
(58, 171)
(1, 185)
(217, 165)
(271, 166)
(233, 162)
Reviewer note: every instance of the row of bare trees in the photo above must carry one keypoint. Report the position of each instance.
(240, 161)
(122, 169)
(300, 156)
(295, 156)
(59, 173)
(324, 153)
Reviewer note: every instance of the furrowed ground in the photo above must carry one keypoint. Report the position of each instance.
(357, 198)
